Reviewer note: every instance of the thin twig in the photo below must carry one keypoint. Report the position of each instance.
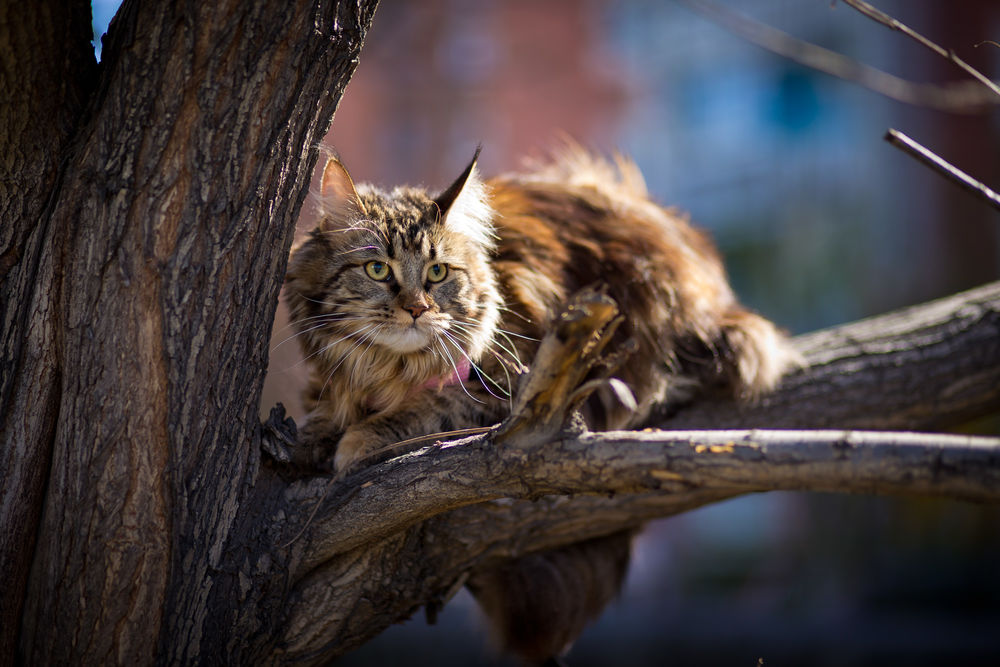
(961, 97)
(907, 145)
(890, 22)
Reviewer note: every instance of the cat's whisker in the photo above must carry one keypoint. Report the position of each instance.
(377, 232)
(516, 314)
(371, 341)
(348, 228)
(322, 324)
(331, 316)
(340, 340)
(344, 357)
(502, 362)
(467, 337)
(322, 350)
(515, 358)
(322, 303)
(503, 366)
(437, 353)
(454, 366)
(517, 335)
(358, 249)
(512, 350)
(479, 371)
(500, 330)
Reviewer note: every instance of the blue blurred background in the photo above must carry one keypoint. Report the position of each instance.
(820, 221)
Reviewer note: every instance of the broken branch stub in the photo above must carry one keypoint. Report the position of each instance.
(550, 391)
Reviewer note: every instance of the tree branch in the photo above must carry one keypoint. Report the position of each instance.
(888, 21)
(928, 367)
(942, 167)
(459, 473)
(430, 516)
(958, 97)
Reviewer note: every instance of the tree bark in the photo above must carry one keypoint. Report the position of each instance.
(929, 367)
(149, 237)
(48, 72)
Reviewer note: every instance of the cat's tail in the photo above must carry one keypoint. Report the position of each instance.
(537, 605)
(754, 353)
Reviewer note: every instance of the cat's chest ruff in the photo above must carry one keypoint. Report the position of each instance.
(377, 401)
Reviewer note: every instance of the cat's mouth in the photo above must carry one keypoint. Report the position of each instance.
(409, 338)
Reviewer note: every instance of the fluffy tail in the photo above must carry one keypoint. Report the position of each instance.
(539, 604)
(754, 353)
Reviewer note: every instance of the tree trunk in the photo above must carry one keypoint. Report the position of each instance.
(48, 74)
(147, 223)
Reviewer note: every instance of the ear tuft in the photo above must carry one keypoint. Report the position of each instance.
(465, 206)
(445, 200)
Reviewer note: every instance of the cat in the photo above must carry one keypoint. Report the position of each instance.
(417, 313)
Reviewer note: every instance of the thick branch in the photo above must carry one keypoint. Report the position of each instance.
(928, 367)
(380, 520)
(650, 475)
(464, 472)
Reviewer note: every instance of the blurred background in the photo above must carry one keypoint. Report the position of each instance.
(820, 221)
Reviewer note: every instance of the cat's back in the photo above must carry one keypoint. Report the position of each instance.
(581, 220)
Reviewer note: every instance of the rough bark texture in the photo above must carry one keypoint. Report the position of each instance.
(929, 367)
(148, 206)
(147, 241)
(47, 72)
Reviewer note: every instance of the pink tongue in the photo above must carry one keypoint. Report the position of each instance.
(460, 375)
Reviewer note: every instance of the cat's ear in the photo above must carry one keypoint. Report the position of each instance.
(340, 199)
(445, 200)
(465, 207)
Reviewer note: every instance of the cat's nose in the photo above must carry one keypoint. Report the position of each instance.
(417, 307)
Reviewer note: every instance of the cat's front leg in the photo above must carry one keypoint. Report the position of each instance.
(317, 437)
(384, 434)
(358, 443)
(379, 436)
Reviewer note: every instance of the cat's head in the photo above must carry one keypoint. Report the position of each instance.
(404, 270)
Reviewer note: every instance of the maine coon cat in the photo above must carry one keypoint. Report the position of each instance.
(417, 311)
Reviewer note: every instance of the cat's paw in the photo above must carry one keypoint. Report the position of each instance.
(352, 450)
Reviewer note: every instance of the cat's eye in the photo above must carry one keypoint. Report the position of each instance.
(377, 270)
(437, 272)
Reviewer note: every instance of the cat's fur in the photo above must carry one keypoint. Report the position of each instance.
(388, 357)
